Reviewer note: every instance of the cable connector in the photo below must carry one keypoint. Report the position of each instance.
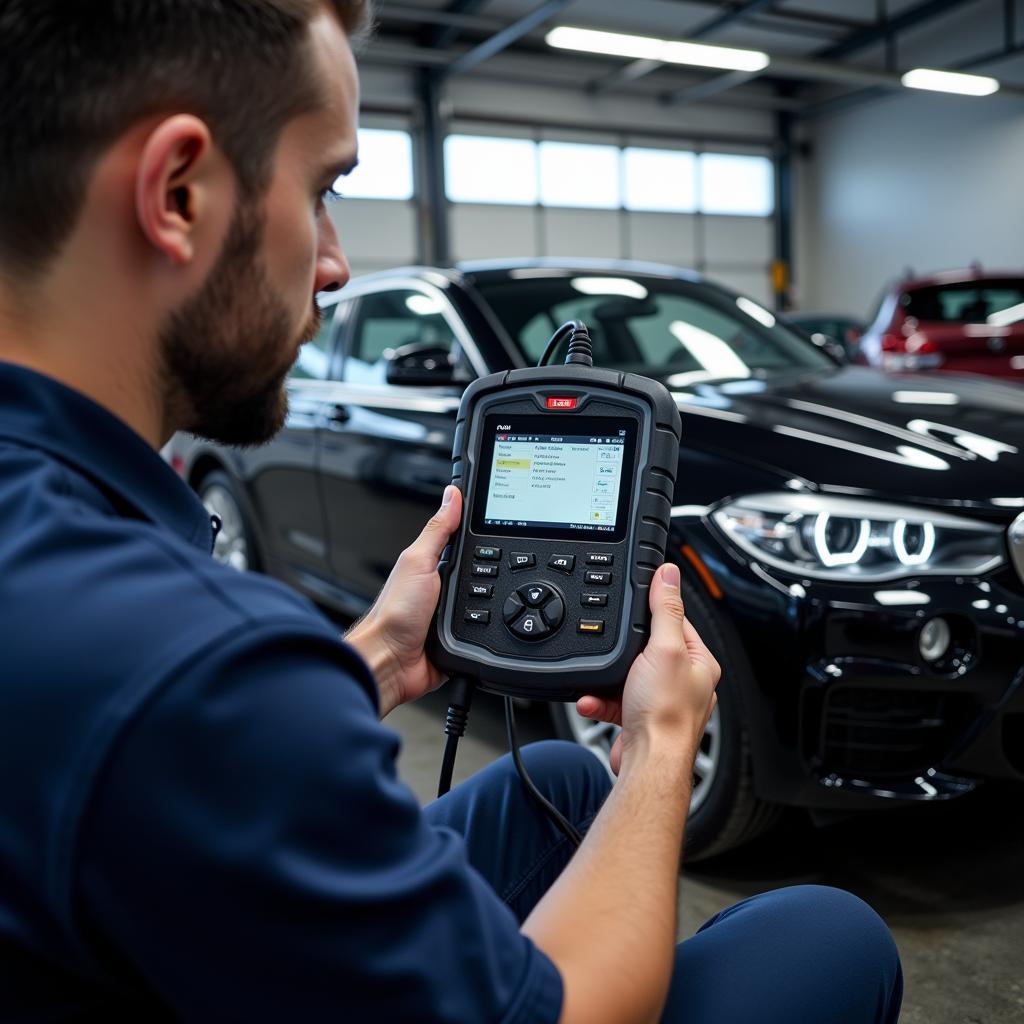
(580, 351)
(455, 721)
(462, 690)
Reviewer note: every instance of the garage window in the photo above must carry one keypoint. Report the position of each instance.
(385, 167)
(478, 169)
(738, 185)
(572, 174)
(659, 180)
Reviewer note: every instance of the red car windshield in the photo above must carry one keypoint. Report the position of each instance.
(997, 303)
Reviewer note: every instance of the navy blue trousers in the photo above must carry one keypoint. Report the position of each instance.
(801, 955)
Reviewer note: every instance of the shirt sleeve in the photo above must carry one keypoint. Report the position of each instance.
(250, 854)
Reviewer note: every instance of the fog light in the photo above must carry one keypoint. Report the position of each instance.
(934, 640)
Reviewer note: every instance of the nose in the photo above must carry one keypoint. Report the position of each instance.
(332, 270)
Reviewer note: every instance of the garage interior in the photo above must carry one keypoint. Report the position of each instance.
(809, 184)
(866, 179)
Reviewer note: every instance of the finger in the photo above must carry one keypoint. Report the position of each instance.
(668, 616)
(441, 525)
(600, 709)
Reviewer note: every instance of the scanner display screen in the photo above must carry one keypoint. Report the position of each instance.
(547, 476)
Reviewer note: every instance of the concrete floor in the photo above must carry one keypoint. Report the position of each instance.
(948, 880)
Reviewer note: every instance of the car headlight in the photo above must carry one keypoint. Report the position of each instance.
(829, 537)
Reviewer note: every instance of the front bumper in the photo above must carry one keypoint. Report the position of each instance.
(845, 712)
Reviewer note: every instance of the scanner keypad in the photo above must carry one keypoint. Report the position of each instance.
(561, 588)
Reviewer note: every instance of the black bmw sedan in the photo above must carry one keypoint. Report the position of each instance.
(851, 542)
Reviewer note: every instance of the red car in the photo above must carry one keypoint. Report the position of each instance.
(966, 321)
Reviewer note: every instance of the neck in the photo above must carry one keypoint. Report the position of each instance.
(97, 348)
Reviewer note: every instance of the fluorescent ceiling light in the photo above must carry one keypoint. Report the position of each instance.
(617, 44)
(950, 81)
(609, 286)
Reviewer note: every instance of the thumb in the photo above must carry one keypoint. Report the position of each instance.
(668, 616)
(442, 524)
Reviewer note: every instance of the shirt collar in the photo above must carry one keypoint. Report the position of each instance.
(40, 412)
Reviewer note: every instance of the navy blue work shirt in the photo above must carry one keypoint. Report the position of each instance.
(200, 815)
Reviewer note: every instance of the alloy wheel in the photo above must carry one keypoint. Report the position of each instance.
(231, 546)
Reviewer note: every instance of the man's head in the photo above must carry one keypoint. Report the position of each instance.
(188, 143)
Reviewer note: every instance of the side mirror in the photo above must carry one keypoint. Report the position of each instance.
(422, 362)
(837, 350)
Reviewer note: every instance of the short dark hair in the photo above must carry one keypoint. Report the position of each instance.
(76, 75)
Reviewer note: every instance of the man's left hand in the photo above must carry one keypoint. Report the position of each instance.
(392, 633)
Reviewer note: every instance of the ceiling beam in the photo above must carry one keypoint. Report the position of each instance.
(712, 87)
(766, 23)
(908, 18)
(441, 37)
(506, 37)
(400, 55)
(428, 16)
(797, 68)
(818, 68)
(849, 100)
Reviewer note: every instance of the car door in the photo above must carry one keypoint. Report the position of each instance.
(386, 449)
(283, 479)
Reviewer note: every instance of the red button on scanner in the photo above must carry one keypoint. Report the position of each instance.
(561, 403)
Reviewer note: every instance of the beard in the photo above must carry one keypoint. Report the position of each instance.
(227, 351)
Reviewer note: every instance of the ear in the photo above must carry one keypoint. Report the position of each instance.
(174, 183)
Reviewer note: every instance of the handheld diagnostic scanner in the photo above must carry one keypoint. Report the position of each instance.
(568, 474)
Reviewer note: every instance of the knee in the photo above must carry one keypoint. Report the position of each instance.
(823, 914)
(806, 953)
(851, 922)
(838, 932)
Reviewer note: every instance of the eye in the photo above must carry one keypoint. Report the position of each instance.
(330, 195)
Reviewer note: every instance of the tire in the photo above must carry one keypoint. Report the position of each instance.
(724, 812)
(234, 546)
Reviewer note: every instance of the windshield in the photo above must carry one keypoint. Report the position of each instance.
(997, 303)
(686, 332)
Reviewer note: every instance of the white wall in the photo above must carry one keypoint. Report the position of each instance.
(920, 180)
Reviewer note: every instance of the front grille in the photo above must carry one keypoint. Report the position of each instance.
(871, 733)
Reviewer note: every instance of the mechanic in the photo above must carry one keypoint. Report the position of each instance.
(200, 815)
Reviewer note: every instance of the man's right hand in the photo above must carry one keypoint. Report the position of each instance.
(670, 690)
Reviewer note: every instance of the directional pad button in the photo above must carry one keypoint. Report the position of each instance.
(530, 627)
(534, 594)
(513, 606)
(553, 612)
(534, 611)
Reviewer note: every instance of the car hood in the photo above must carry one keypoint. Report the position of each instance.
(959, 441)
